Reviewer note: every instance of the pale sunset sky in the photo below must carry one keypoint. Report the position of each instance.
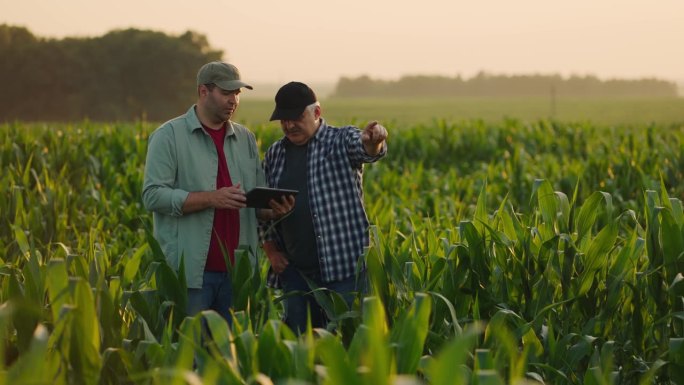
(278, 41)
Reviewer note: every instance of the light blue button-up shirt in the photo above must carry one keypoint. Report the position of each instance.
(182, 158)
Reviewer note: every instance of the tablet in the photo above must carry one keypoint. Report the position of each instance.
(259, 197)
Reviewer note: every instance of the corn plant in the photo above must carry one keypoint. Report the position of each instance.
(508, 253)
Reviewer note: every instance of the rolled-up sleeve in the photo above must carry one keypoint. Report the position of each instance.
(161, 166)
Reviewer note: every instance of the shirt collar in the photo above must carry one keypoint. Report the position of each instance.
(194, 123)
(321, 128)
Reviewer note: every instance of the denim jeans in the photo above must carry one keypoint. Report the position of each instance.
(216, 294)
(296, 305)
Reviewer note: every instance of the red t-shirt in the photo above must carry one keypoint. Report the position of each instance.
(226, 232)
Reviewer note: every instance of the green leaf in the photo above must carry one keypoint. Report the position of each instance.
(377, 273)
(339, 370)
(409, 333)
(34, 366)
(377, 357)
(548, 205)
(275, 360)
(580, 350)
(673, 244)
(58, 286)
(133, 265)
(448, 366)
(169, 287)
(88, 335)
(590, 211)
(597, 256)
(219, 331)
(481, 215)
(677, 286)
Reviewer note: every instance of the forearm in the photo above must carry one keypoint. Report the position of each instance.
(276, 257)
(270, 246)
(198, 201)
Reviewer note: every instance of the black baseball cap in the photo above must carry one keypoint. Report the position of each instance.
(291, 100)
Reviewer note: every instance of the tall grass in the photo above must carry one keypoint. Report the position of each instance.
(502, 253)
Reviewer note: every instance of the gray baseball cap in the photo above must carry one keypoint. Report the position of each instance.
(225, 76)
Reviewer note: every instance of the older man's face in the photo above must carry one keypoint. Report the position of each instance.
(301, 130)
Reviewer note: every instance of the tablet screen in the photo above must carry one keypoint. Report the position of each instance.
(259, 197)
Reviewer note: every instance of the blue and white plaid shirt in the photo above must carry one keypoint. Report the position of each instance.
(335, 168)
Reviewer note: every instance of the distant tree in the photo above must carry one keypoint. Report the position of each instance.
(17, 45)
(123, 75)
(361, 86)
(485, 84)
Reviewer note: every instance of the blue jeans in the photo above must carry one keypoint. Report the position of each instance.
(296, 306)
(216, 294)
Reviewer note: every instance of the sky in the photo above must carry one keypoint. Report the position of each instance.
(320, 41)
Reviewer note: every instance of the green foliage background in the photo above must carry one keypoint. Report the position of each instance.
(123, 75)
(504, 252)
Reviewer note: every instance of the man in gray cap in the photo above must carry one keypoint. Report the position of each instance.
(198, 167)
(323, 239)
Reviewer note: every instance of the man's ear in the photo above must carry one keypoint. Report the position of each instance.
(202, 90)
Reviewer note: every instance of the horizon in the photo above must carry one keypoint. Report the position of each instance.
(273, 42)
(324, 89)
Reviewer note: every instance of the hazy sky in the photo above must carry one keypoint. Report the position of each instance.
(278, 41)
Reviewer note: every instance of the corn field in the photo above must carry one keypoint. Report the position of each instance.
(508, 253)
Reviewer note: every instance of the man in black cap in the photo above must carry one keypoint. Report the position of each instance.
(197, 168)
(324, 237)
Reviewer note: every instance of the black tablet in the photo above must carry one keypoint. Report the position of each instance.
(259, 197)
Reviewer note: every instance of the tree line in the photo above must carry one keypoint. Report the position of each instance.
(135, 74)
(123, 75)
(489, 85)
